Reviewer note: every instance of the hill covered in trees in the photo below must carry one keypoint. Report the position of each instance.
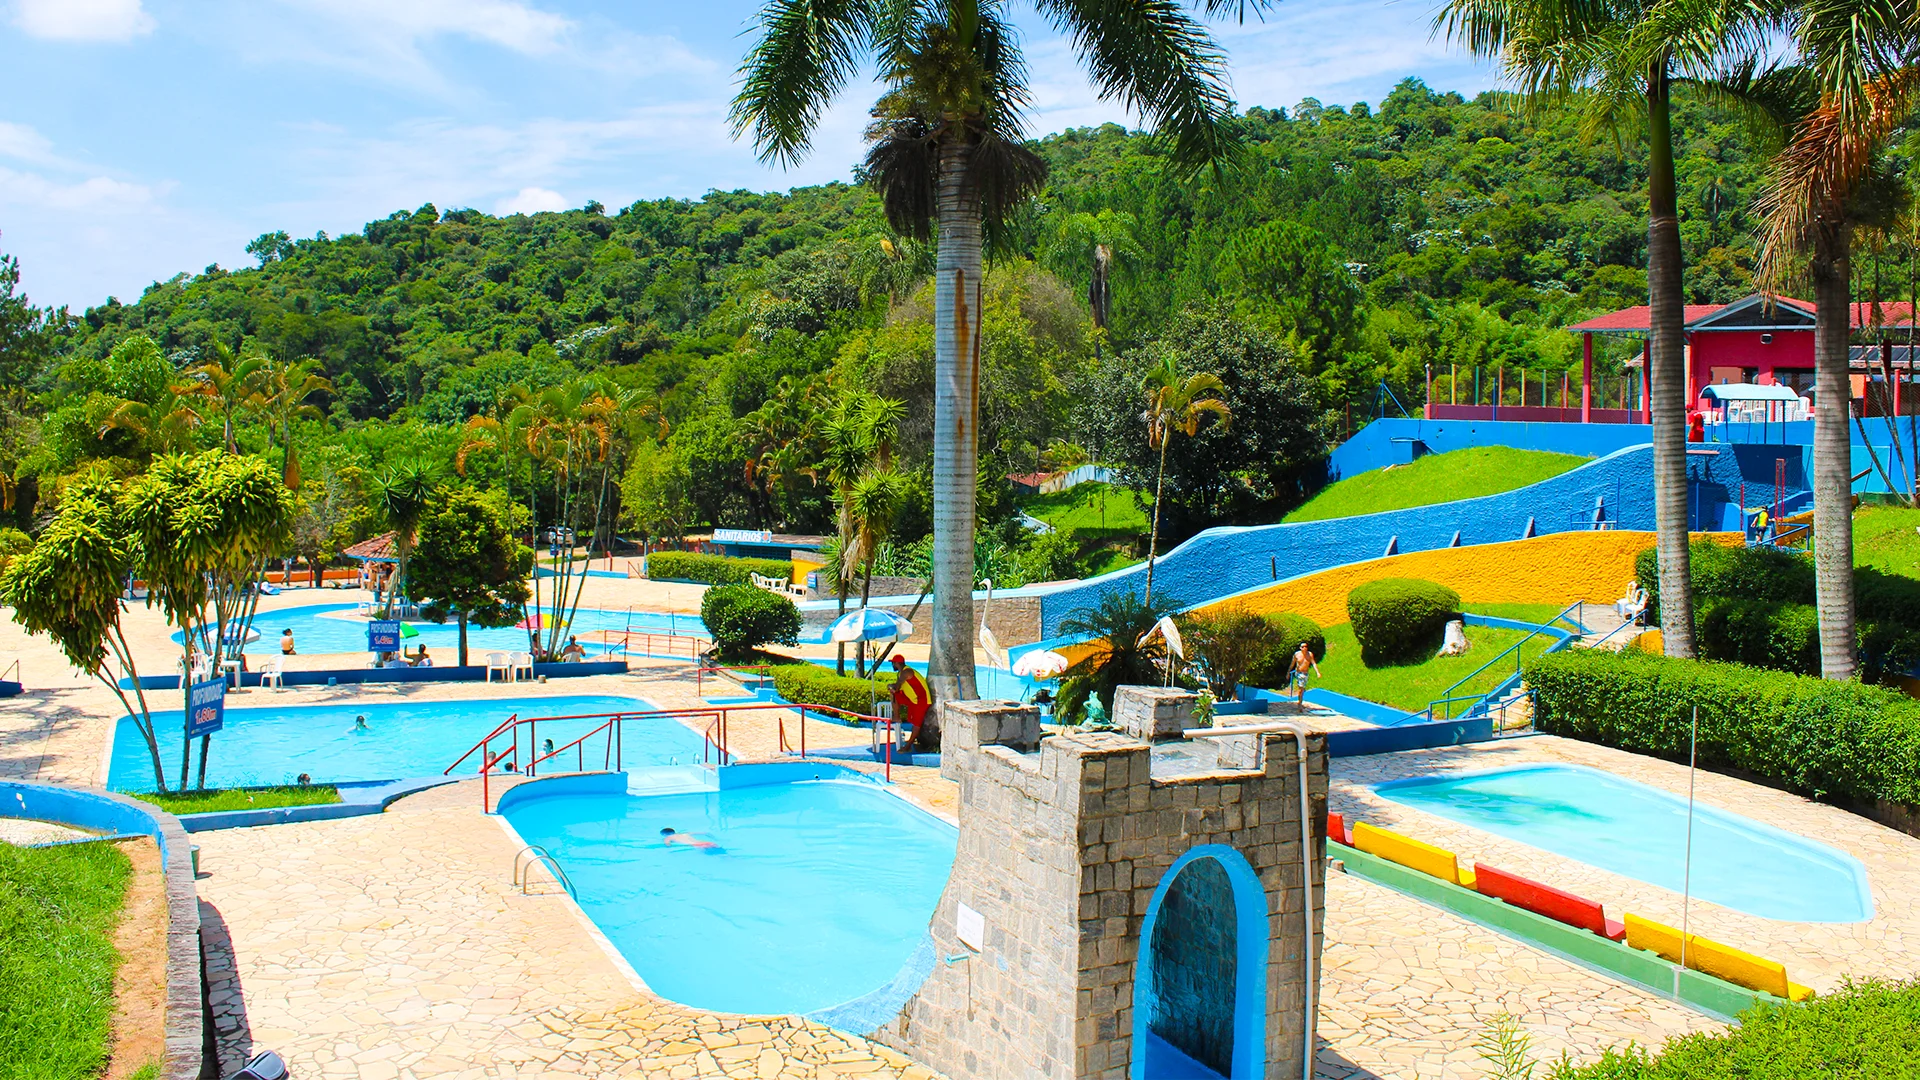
(1345, 248)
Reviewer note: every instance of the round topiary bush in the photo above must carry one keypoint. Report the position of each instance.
(742, 618)
(1399, 619)
(1270, 671)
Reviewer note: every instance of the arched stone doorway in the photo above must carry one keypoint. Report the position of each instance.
(1199, 990)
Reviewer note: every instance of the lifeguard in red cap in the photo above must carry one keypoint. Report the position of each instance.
(911, 698)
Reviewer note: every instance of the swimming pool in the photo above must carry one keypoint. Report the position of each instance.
(818, 892)
(275, 744)
(318, 628)
(1641, 832)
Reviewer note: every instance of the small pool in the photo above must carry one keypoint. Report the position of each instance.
(320, 628)
(275, 744)
(818, 892)
(1641, 832)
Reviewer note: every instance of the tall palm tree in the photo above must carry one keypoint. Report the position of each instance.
(1094, 241)
(1176, 405)
(403, 491)
(232, 385)
(285, 395)
(1618, 60)
(946, 147)
(1865, 64)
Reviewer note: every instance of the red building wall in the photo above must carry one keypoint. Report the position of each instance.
(1740, 356)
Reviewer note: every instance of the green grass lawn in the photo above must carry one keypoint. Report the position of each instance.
(1413, 686)
(1090, 511)
(1884, 538)
(58, 909)
(1107, 560)
(1436, 478)
(207, 802)
(1533, 613)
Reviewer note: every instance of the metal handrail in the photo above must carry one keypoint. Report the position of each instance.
(518, 855)
(504, 725)
(1447, 696)
(559, 875)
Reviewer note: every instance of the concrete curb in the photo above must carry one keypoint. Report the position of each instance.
(357, 798)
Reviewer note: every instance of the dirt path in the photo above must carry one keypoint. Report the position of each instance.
(140, 982)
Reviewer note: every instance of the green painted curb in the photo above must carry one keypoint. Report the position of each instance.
(1716, 997)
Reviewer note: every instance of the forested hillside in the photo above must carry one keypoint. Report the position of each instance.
(1345, 248)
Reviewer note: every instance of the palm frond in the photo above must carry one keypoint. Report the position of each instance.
(807, 52)
(1155, 59)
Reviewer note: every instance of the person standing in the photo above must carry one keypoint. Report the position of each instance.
(911, 698)
(1303, 662)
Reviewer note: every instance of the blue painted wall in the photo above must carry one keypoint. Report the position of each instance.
(99, 811)
(1222, 561)
(1193, 958)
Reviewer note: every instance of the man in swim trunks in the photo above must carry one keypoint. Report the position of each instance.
(1303, 662)
(670, 838)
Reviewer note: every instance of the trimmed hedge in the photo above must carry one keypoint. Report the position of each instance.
(811, 684)
(1812, 736)
(713, 569)
(1270, 671)
(1860, 1032)
(1400, 618)
(1763, 633)
(742, 618)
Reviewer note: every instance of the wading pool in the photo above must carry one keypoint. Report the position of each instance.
(274, 744)
(1641, 832)
(815, 892)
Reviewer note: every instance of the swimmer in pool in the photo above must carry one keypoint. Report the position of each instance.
(670, 838)
(360, 724)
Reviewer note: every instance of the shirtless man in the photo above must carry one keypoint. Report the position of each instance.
(1303, 662)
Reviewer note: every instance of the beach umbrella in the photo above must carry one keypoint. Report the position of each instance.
(869, 624)
(407, 630)
(1041, 664)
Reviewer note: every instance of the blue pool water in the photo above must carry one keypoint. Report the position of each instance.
(1640, 832)
(818, 893)
(318, 628)
(274, 745)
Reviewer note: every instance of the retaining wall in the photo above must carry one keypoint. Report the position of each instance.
(103, 811)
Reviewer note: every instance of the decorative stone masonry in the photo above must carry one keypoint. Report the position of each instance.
(1153, 712)
(1063, 868)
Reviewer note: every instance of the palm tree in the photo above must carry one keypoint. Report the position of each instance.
(1098, 239)
(1619, 60)
(1176, 404)
(402, 493)
(1122, 654)
(166, 424)
(284, 395)
(946, 146)
(231, 385)
(1866, 71)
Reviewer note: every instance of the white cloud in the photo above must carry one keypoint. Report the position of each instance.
(22, 143)
(534, 200)
(82, 20)
(505, 23)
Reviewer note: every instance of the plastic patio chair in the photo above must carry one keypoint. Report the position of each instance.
(497, 661)
(274, 673)
(522, 661)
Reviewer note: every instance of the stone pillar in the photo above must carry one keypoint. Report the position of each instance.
(1153, 713)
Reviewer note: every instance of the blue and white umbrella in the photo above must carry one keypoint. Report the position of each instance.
(869, 624)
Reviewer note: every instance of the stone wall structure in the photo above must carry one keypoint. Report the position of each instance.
(1064, 854)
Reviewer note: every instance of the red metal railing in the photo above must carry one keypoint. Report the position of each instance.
(715, 748)
(657, 644)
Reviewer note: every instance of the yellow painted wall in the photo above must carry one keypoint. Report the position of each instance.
(803, 567)
(1559, 568)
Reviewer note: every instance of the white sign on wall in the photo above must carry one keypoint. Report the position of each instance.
(742, 536)
(971, 926)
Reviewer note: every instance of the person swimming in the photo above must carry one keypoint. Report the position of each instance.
(670, 838)
(360, 723)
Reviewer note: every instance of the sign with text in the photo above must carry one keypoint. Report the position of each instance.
(743, 536)
(383, 635)
(206, 707)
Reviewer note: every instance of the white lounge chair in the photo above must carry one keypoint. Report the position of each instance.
(522, 661)
(497, 661)
(273, 673)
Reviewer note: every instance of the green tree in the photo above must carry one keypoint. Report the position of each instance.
(468, 564)
(947, 146)
(202, 530)
(1176, 405)
(68, 587)
(25, 341)
(285, 393)
(656, 492)
(403, 495)
(230, 385)
(1122, 654)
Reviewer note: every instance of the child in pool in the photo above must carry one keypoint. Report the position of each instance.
(670, 838)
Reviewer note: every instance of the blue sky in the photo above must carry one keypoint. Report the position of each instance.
(141, 138)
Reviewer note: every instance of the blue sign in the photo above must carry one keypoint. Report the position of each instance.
(206, 707)
(383, 635)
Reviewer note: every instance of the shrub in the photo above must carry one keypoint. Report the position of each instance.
(1270, 671)
(1844, 1035)
(742, 618)
(1812, 736)
(1400, 618)
(713, 569)
(1763, 633)
(1228, 642)
(1740, 573)
(13, 542)
(811, 684)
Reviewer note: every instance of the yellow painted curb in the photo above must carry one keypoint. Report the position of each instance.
(1721, 961)
(1410, 853)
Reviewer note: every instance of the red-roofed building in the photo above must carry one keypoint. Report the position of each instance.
(1759, 341)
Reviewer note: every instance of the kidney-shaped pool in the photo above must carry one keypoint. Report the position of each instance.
(1641, 832)
(777, 898)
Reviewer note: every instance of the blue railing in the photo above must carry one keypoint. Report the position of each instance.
(1441, 708)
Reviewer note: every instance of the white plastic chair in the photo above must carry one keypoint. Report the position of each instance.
(273, 673)
(522, 661)
(497, 661)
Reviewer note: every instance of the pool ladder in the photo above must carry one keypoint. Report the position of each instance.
(535, 855)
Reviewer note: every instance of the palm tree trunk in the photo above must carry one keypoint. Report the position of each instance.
(1667, 381)
(1832, 446)
(463, 639)
(866, 591)
(956, 404)
(1153, 532)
